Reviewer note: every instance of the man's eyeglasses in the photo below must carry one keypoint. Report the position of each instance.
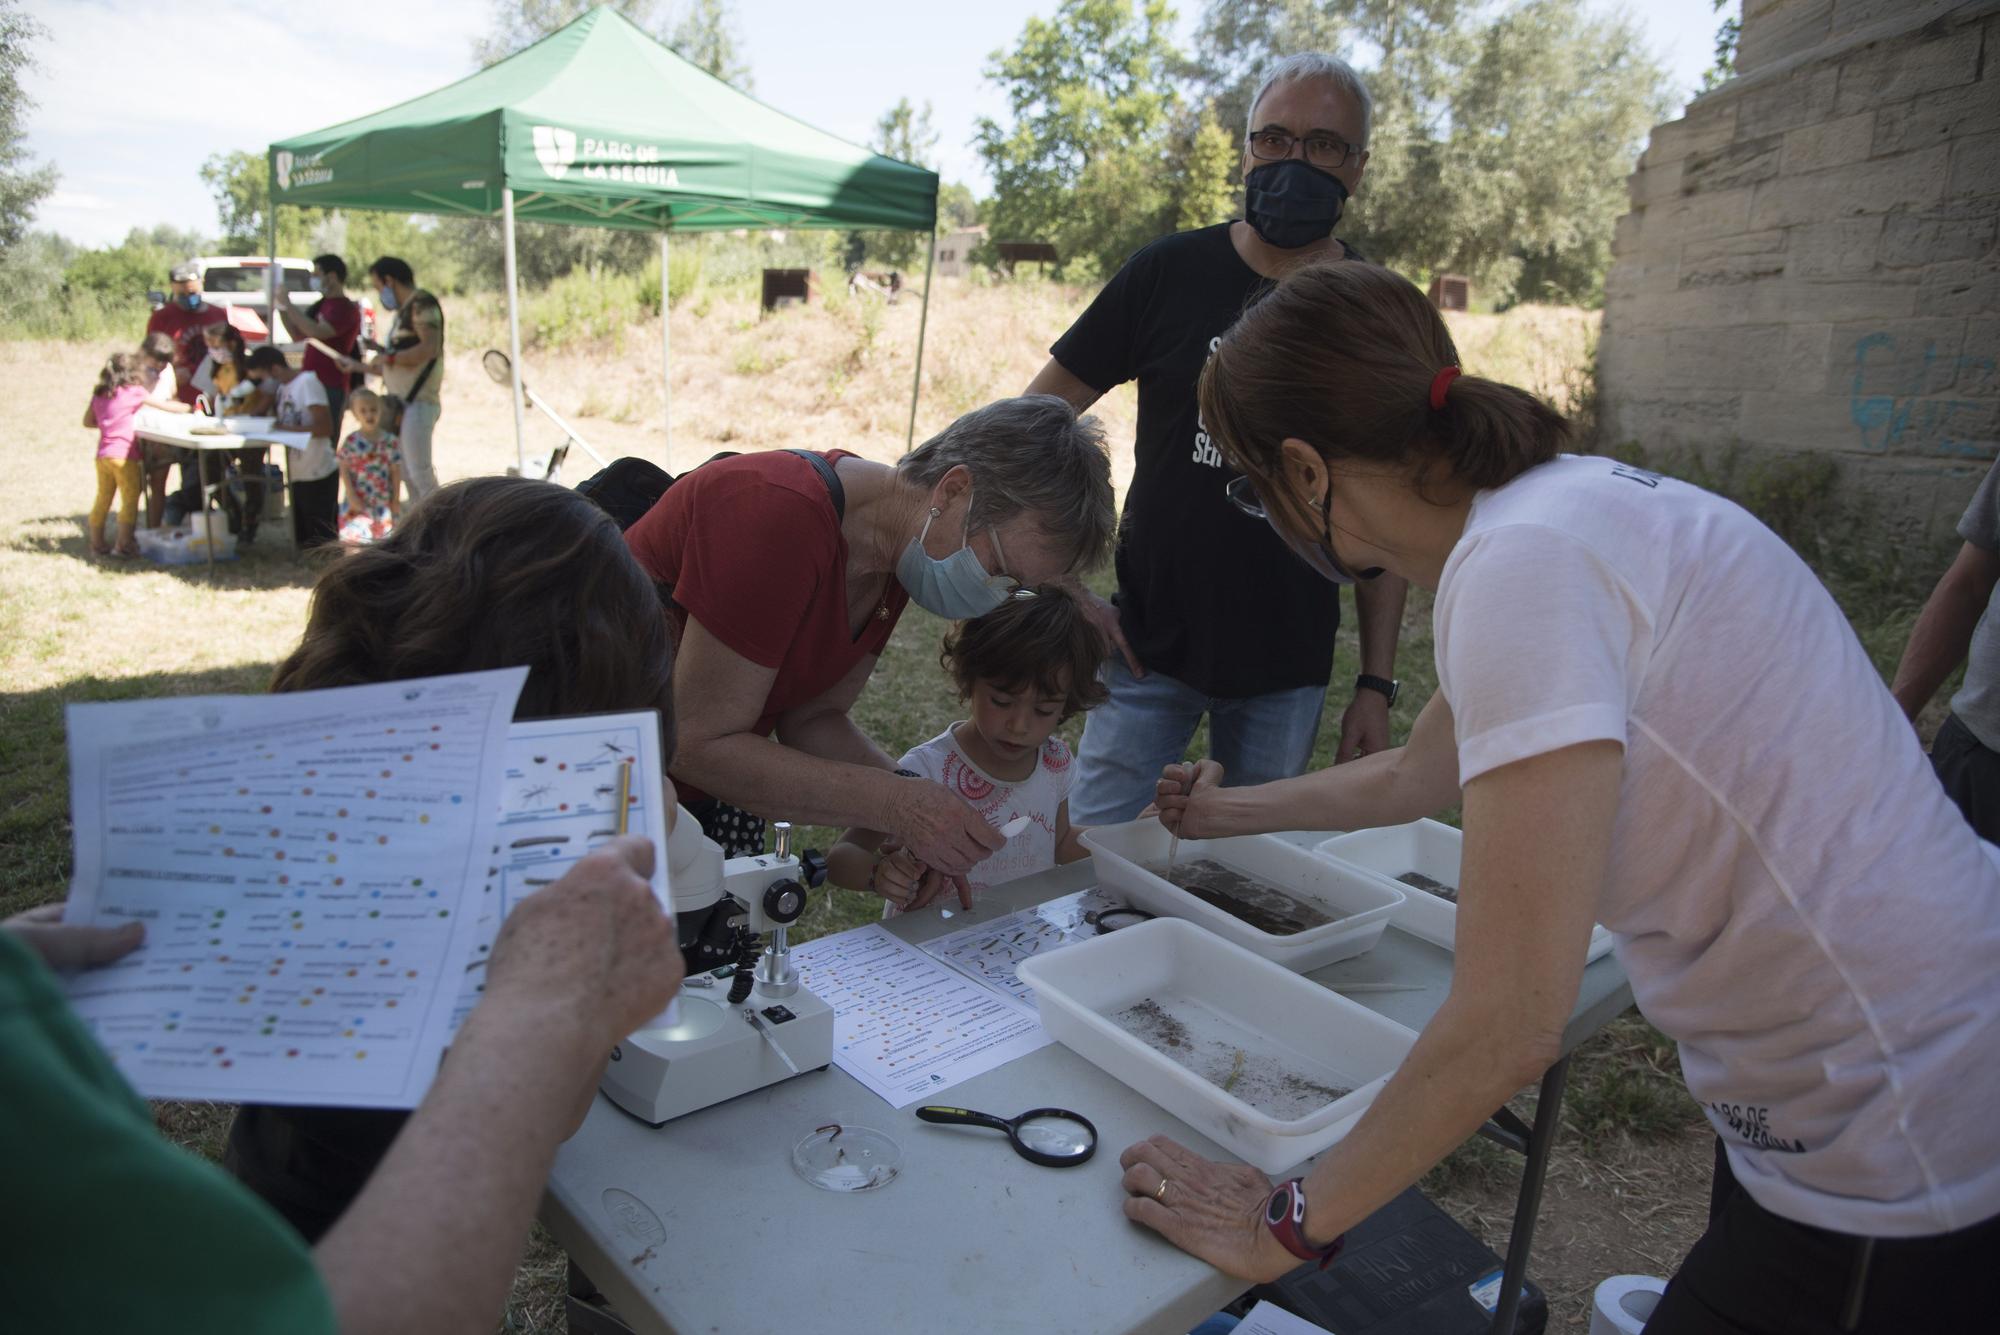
(1326, 151)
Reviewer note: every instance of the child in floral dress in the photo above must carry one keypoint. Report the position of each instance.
(371, 469)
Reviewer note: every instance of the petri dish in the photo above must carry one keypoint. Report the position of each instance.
(847, 1158)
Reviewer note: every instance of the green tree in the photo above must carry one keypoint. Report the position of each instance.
(22, 187)
(1548, 121)
(1727, 34)
(904, 133)
(956, 206)
(705, 34)
(1086, 163)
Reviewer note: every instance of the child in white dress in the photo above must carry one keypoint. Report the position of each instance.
(1023, 669)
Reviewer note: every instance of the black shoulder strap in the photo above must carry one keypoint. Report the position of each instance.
(834, 491)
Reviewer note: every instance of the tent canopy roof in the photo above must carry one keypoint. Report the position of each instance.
(599, 125)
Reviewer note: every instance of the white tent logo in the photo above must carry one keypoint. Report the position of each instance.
(555, 149)
(284, 169)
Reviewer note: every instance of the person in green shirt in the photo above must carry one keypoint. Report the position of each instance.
(108, 1228)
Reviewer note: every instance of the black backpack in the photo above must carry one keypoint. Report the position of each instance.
(627, 488)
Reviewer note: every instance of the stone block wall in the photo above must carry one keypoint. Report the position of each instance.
(1812, 257)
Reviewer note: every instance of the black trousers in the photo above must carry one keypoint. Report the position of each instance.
(316, 511)
(1757, 1273)
(1971, 776)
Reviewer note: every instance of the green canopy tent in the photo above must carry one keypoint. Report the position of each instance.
(598, 125)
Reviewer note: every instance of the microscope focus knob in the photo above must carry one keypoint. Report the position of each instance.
(784, 901)
(812, 868)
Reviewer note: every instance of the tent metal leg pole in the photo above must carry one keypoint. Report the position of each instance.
(514, 331)
(666, 356)
(923, 322)
(275, 286)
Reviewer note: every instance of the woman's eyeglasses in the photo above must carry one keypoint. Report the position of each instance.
(1319, 557)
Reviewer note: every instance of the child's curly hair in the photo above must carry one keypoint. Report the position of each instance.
(1038, 638)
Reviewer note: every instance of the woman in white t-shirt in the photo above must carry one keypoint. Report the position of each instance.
(1655, 717)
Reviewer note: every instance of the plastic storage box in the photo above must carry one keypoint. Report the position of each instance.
(1221, 994)
(1429, 848)
(1366, 901)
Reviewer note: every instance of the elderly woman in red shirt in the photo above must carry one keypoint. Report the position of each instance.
(788, 571)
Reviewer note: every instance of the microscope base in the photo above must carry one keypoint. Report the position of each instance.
(714, 1054)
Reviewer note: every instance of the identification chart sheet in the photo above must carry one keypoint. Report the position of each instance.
(306, 865)
(558, 801)
(992, 951)
(906, 1026)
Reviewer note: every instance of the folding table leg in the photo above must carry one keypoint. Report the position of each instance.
(1541, 1137)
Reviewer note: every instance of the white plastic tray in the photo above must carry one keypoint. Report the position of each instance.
(1188, 971)
(1430, 848)
(1367, 901)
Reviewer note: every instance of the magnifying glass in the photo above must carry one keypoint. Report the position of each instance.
(1052, 1137)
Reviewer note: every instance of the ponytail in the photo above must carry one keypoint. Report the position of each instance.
(1489, 433)
(1351, 358)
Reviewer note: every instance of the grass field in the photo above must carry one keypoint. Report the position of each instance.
(1628, 1188)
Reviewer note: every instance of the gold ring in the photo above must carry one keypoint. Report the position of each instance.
(1160, 1194)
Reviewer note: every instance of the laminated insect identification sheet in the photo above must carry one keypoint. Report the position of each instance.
(906, 1026)
(308, 867)
(559, 796)
(990, 952)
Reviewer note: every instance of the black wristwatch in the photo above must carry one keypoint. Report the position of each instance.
(1392, 689)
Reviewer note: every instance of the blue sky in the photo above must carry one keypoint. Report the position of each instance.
(133, 96)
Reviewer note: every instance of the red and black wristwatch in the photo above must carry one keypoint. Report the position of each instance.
(1285, 1216)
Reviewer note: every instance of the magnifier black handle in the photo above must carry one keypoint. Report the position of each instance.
(962, 1117)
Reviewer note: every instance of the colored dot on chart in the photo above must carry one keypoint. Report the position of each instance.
(353, 973)
(409, 973)
(444, 913)
(340, 880)
(219, 1049)
(279, 856)
(381, 839)
(266, 1030)
(291, 1052)
(418, 880)
(266, 810)
(215, 829)
(360, 1054)
(562, 806)
(342, 812)
(306, 792)
(390, 1003)
(312, 774)
(305, 1001)
(369, 793)
(274, 834)
(406, 760)
(435, 727)
(456, 799)
(245, 792)
(434, 746)
(374, 894)
(424, 818)
(228, 852)
(227, 1062)
(331, 837)
(562, 765)
(284, 880)
(385, 774)
(332, 858)
(374, 913)
(347, 1033)
(171, 1027)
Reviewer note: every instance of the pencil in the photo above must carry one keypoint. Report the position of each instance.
(624, 796)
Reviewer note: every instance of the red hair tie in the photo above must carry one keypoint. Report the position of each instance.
(1439, 383)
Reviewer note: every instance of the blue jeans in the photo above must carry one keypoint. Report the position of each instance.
(1147, 723)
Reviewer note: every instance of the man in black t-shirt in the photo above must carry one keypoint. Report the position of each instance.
(1213, 614)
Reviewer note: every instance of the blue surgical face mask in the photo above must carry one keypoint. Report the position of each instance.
(191, 300)
(388, 295)
(313, 283)
(956, 587)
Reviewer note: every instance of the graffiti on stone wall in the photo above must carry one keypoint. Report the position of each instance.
(1910, 402)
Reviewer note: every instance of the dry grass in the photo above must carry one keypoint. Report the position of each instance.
(73, 628)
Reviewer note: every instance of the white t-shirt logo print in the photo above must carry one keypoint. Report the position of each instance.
(555, 149)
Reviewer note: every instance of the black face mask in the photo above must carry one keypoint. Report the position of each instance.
(1292, 203)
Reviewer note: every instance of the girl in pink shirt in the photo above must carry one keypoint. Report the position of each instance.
(120, 393)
